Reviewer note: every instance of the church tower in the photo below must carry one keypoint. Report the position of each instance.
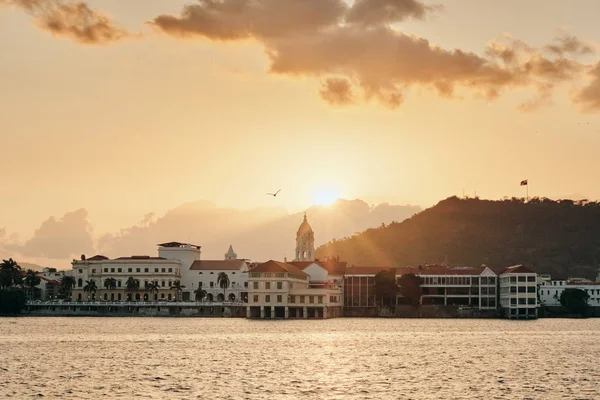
(230, 255)
(305, 242)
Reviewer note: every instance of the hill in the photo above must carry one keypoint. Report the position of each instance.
(558, 237)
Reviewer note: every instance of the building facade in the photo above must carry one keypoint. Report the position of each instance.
(518, 293)
(204, 275)
(550, 292)
(305, 242)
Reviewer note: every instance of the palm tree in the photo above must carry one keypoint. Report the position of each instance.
(90, 287)
(110, 283)
(153, 287)
(66, 284)
(223, 282)
(32, 280)
(9, 273)
(178, 289)
(200, 294)
(132, 285)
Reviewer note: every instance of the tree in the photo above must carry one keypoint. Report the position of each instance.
(9, 273)
(153, 287)
(90, 288)
(178, 289)
(410, 288)
(110, 283)
(132, 285)
(67, 283)
(200, 294)
(576, 300)
(32, 280)
(386, 287)
(223, 282)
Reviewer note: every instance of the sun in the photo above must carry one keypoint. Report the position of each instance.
(325, 197)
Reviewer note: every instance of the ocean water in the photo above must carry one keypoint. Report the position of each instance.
(186, 358)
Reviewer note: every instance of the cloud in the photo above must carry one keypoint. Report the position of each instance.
(59, 238)
(73, 20)
(589, 96)
(2, 233)
(378, 12)
(337, 91)
(358, 48)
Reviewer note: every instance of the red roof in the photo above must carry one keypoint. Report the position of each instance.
(333, 267)
(204, 265)
(517, 269)
(276, 266)
(49, 280)
(98, 258)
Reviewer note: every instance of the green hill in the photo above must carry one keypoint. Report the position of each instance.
(557, 237)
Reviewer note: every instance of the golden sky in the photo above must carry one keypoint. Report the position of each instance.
(130, 107)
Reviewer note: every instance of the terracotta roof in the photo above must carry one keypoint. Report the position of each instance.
(98, 258)
(333, 267)
(141, 258)
(517, 269)
(365, 270)
(276, 266)
(203, 265)
(48, 280)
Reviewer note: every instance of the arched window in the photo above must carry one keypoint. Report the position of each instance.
(105, 296)
(169, 298)
(79, 296)
(137, 297)
(80, 282)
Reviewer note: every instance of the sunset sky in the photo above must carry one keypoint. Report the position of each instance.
(155, 104)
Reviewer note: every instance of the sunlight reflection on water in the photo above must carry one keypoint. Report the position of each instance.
(170, 358)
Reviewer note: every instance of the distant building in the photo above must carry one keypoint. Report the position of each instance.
(230, 255)
(305, 242)
(205, 275)
(518, 292)
(50, 282)
(550, 292)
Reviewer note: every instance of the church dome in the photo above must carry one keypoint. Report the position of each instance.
(304, 229)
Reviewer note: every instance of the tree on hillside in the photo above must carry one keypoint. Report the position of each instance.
(410, 289)
(386, 289)
(223, 282)
(67, 283)
(9, 273)
(32, 280)
(576, 300)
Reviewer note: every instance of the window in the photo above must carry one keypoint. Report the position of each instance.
(112, 270)
(170, 284)
(522, 301)
(255, 274)
(145, 284)
(513, 302)
(531, 279)
(531, 301)
(279, 285)
(279, 298)
(268, 285)
(137, 270)
(119, 295)
(245, 284)
(93, 271)
(302, 299)
(105, 270)
(162, 283)
(233, 273)
(146, 270)
(118, 269)
(311, 299)
(280, 274)
(291, 299)
(320, 299)
(513, 289)
(492, 290)
(513, 279)
(79, 282)
(170, 269)
(255, 285)
(522, 279)
(484, 290)
(267, 299)
(129, 270)
(80, 271)
(212, 284)
(256, 298)
(531, 289)
(119, 284)
(155, 270)
(522, 289)
(267, 274)
(162, 270)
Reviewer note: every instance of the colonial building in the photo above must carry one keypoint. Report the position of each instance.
(304, 288)
(50, 281)
(204, 274)
(550, 292)
(518, 292)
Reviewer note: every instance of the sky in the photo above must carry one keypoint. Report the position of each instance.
(122, 109)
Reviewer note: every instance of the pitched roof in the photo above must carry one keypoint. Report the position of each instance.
(276, 266)
(227, 265)
(98, 258)
(517, 269)
(333, 267)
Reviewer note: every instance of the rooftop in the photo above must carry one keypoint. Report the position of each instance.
(517, 269)
(214, 265)
(276, 266)
(179, 244)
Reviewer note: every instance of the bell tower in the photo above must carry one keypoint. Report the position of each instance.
(305, 242)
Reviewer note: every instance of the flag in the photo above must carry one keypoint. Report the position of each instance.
(524, 183)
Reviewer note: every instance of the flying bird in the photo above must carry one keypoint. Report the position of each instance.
(274, 194)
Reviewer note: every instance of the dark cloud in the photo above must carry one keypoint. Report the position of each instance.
(73, 20)
(378, 12)
(59, 238)
(356, 48)
(337, 91)
(589, 96)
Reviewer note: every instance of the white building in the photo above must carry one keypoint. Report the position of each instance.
(50, 282)
(550, 292)
(518, 292)
(204, 274)
(301, 289)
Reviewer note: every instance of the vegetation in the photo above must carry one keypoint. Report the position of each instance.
(557, 237)
(386, 288)
(178, 289)
(575, 300)
(132, 285)
(153, 287)
(67, 283)
(110, 283)
(11, 301)
(32, 280)
(10, 273)
(90, 288)
(200, 294)
(410, 289)
(223, 282)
